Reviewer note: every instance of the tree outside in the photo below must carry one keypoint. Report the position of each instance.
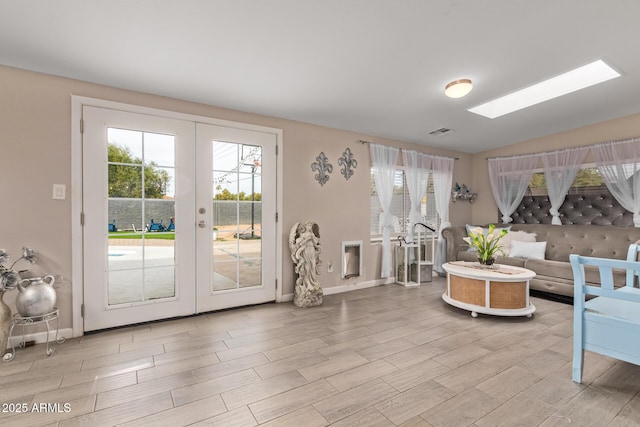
(224, 194)
(125, 176)
(586, 177)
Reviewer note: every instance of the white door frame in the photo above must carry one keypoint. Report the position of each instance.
(77, 102)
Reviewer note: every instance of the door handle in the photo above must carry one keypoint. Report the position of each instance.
(202, 224)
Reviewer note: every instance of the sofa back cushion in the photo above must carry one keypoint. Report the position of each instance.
(600, 241)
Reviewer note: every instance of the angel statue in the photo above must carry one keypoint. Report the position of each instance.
(304, 242)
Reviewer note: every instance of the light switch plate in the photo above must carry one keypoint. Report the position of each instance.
(59, 191)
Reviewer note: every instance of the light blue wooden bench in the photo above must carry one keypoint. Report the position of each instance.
(610, 323)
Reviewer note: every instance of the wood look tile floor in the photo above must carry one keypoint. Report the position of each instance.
(384, 356)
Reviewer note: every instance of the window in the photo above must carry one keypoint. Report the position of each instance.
(588, 181)
(401, 206)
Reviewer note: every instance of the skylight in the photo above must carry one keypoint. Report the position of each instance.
(571, 81)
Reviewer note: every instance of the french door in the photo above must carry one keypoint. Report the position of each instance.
(238, 207)
(179, 217)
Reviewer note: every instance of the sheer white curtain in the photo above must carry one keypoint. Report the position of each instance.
(619, 165)
(509, 178)
(442, 181)
(417, 169)
(383, 161)
(560, 169)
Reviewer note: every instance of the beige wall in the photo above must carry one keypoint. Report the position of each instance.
(485, 209)
(35, 142)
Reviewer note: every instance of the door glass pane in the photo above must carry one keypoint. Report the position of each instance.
(125, 146)
(159, 150)
(142, 223)
(250, 272)
(225, 275)
(125, 286)
(158, 282)
(237, 216)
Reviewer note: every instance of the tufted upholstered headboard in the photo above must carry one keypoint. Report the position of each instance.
(593, 209)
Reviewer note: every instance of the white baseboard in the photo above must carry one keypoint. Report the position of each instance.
(38, 337)
(346, 288)
(356, 286)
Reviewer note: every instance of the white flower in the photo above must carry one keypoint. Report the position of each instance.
(29, 254)
(477, 230)
(9, 277)
(4, 256)
(487, 245)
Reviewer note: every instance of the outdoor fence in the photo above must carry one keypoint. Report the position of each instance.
(128, 213)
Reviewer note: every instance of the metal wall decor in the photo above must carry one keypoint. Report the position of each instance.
(462, 193)
(323, 167)
(348, 163)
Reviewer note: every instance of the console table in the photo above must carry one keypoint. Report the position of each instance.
(500, 291)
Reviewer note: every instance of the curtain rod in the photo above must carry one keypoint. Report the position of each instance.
(620, 141)
(517, 156)
(369, 142)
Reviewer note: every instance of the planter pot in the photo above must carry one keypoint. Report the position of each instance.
(37, 296)
(488, 261)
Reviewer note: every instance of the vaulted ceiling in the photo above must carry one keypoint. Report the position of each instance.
(373, 66)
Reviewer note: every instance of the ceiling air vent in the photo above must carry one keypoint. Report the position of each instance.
(441, 131)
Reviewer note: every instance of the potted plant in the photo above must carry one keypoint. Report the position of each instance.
(487, 244)
(215, 233)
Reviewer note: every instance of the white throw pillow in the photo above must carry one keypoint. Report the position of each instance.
(511, 236)
(528, 250)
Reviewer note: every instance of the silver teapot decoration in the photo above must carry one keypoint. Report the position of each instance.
(37, 296)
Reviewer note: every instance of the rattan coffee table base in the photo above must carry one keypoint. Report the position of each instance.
(489, 291)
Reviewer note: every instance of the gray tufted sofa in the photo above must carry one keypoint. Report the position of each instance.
(554, 274)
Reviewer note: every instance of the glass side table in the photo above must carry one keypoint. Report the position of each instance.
(19, 320)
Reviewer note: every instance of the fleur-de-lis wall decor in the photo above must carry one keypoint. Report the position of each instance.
(323, 167)
(348, 163)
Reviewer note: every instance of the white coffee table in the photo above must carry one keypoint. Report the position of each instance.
(503, 291)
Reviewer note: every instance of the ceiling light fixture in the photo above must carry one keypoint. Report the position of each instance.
(571, 81)
(458, 88)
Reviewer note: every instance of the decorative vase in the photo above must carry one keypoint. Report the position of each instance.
(5, 324)
(488, 261)
(37, 296)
